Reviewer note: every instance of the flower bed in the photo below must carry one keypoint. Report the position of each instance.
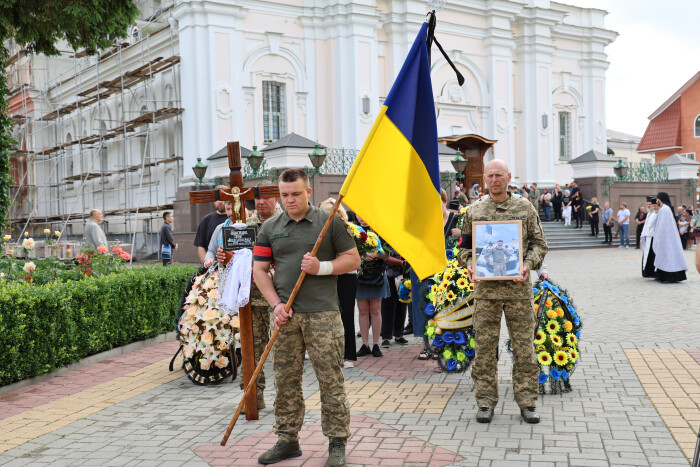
(47, 326)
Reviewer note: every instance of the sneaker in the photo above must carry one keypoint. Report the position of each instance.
(408, 330)
(364, 350)
(627, 246)
(386, 344)
(484, 415)
(401, 341)
(376, 352)
(530, 414)
(620, 246)
(280, 452)
(348, 364)
(336, 453)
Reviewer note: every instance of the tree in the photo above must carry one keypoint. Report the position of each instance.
(37, 25)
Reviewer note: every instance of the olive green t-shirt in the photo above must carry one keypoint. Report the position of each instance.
(285, 242)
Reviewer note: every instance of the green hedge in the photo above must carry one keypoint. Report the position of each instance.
(45, 327)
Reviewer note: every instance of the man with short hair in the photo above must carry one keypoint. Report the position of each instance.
(167, 244)
(623, 222)
(264, 210)
(208, 224)
(94, 235)
(512, 297)
(313, 322)
(498, 257)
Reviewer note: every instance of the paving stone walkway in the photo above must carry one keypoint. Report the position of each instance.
(635, 398)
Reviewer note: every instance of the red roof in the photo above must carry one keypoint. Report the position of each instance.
(664, 130)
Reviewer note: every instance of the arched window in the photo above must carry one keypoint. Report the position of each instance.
(697, 126)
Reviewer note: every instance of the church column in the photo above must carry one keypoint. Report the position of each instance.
(535, 160)
(500, 46)
(201, 24)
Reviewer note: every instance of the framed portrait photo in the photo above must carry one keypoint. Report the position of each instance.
(497, 249)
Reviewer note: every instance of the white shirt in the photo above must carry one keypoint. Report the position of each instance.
(621, 214)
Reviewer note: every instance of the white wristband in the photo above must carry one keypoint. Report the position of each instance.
(325, 268)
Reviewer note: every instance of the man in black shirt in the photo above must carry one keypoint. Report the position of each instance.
(208, 224)
(576, 204)
(166, 239)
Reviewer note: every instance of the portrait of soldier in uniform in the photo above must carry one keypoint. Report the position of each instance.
(497, 248)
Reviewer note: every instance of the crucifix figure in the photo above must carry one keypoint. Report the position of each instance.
(245, 315)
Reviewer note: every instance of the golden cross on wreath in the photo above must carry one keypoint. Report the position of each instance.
(245, 316)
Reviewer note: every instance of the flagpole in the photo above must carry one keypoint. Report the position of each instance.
(273, 337)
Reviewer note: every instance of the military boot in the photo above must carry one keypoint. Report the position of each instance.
(336, 453)
(484, 415)
(530, 414)
(280, 452)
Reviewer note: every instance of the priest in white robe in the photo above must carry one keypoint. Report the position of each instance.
(670, 262)
(646, 240)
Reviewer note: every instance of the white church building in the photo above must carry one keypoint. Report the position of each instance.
(257, 70)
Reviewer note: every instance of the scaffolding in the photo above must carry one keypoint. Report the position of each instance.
(130, 150)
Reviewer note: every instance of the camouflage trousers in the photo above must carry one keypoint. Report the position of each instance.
(261, 336)
(499, 269)
(322, 335)
(521, 321)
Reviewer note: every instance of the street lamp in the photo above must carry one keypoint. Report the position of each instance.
(200, 170)
(459, 163)
(620, 168)
(255, 158)
(317, 157)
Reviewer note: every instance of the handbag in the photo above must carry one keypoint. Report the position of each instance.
(372, 274)
(166, 252)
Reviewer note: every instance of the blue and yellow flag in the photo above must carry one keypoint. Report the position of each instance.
(394, 184)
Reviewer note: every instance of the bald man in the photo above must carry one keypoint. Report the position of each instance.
(512, 297)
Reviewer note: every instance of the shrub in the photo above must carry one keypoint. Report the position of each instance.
(45, 327)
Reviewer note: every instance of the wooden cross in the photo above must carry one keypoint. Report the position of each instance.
(245, 315)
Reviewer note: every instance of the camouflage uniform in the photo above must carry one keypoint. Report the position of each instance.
(324, 339)
(498, 256)
(315, 325)
(260, 311)
(515, 299)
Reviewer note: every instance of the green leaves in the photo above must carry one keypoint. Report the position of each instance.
(45, 327)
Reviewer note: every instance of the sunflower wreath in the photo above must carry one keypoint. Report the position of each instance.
(449, 331)
(556, 338)
(207, 334)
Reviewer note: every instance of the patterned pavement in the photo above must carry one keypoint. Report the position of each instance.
(635, 398)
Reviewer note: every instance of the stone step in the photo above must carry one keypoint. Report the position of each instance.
(561, 237)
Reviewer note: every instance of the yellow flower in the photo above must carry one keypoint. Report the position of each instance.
(571, 339)
(471, 287)
(28, 243)
(544, 358)
(551, 314)
(540, 348)
(47, 231)
(540, 338)
(552, 326)
(548, 303)
(26, 234)
(447, 276)
(8, 238)
(441, 288)
(568, 326)
(560, 312)
(537, 307)
(560, 358)
(573, 356)
(556, 340)
(57, 233)
(29, 267)
(451, 296)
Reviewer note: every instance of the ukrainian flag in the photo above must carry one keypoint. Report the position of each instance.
(394, 184)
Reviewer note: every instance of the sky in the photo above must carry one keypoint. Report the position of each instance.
(656, 52)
